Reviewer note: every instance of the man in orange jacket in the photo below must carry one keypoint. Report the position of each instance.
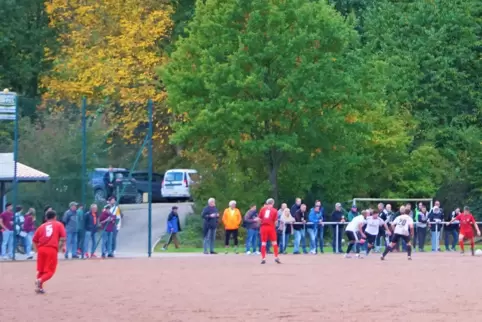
(231, 220)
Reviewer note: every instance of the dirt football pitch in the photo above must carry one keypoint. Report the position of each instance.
(432, 287)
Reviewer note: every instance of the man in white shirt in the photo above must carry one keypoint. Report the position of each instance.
(402, 229)
(372, 230)
(354, 232)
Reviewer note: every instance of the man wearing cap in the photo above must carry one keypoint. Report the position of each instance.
(173, 227)
(71, 227)
(6, 226)
(337, 216)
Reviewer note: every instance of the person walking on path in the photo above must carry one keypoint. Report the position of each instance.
(210, 214)
(173, 227)
(71, 227)
(232, 220)
(90, 225)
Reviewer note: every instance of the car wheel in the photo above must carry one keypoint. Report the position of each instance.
(99, 195)
(138, 197)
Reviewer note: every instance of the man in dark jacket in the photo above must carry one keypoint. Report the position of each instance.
(210, 214)
(435, 218)
(71, 227)
(251, 223)
(295, 207)
(337, 216)
(90, 226)
(301, 217)
(451, 230)
(173, 227)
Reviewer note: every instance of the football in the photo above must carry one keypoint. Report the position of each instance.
(478, 252)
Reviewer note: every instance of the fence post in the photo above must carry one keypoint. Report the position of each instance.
(337, 240)
(436, 236)
(149, 212)
(15, 179)
(84, 150)
(284, 238)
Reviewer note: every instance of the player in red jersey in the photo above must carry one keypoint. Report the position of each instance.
(47, 240)
(466, 232)
(268, 216)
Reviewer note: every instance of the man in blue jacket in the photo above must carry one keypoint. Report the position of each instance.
(315, 219)
(173, 227)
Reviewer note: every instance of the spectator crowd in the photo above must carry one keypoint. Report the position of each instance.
(85, 229)
(306, 228)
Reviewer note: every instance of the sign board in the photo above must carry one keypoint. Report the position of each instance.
(7, 109)
(7, 99)
(10, 117)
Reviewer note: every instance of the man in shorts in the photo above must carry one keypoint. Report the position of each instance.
(372, 230)
(354, 233)
(402, 230)
(268, 216)
(466, 232)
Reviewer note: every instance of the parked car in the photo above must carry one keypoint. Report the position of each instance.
(125, 186)
(142, 183)
(177, 183)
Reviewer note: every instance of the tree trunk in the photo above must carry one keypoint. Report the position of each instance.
(273, 173)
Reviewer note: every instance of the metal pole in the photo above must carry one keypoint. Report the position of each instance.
(84, 150)
(149, 213)
(336, 242)
(15, 181)
(436, 236)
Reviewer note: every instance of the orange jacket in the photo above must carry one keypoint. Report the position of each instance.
(232, 219)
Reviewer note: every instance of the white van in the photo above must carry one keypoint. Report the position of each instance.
(177, 183)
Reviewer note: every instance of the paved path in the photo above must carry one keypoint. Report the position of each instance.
(132, 238)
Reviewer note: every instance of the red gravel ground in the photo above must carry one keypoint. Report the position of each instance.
(432, 287)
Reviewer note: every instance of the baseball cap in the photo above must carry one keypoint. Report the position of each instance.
(73, 203)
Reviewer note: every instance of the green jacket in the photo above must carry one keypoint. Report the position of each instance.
(352, 215)
(80, 220)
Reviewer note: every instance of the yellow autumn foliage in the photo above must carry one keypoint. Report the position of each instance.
(109, 50)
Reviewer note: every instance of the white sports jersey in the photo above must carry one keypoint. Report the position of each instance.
(373, 225)
(353, 225)
(402, 223)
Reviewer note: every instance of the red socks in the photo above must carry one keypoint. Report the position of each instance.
(461, 244)
(275, 249)
(263, 251)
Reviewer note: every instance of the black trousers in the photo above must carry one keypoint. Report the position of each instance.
(227, 237)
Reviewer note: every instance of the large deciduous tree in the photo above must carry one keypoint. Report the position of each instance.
(109, 51)
(272, 80)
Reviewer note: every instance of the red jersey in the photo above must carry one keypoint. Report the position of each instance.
(49, 234)
(466, 222)
(268, 217)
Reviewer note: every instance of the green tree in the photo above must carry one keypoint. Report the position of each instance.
(276, 84)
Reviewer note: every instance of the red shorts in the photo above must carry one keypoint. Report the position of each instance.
(467, 234)
(268, 233)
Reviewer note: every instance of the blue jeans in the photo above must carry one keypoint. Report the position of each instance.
(320, 237)
(209, 238)
(7, 243)
(107, 238)
(251, 240)
(312, 232)
(114, 239)
(455, 237)
(299, 237)
(71, 244)
(89, 236)
(28, 243)
(435, 239)
(286, 240)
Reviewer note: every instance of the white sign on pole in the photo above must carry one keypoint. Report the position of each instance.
(9, 117)
(7, 99)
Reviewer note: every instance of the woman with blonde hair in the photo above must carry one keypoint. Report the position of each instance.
(29, 229)
(286, 226)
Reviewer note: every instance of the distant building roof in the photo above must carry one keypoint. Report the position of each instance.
(24, 172)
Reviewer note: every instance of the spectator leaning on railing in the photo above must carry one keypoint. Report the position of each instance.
(435, 218)
(286, 225)
(232, 220)
(315, 220)
(71, 227)
(210, 214)
(107, 220)
(301, 217)
(279, 230)
(337, 216)
(252, 225)
(422, 220)
(320, 234)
